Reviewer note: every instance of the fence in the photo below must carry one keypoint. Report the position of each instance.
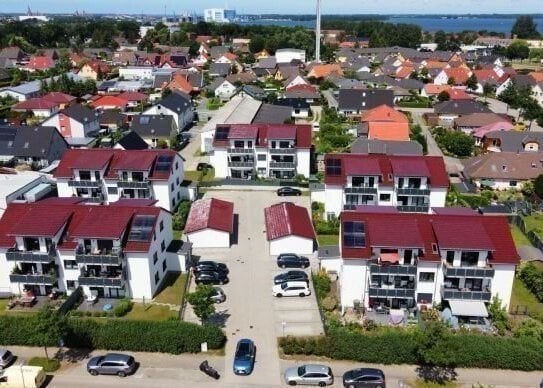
(185, 292)
(71, 301)
(531, 235)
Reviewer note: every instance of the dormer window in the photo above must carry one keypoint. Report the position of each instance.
(504, 168)
(434, 248)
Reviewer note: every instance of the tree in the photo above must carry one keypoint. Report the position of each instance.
(472, 82)
(257, 44)
(50, 327)
(451, 81)
(525, 28)
(538, 186)
(519, 49)
(174, 141)
(457, 143)
(488, 90)
(443, 96)
(201, 302)
(433, 351)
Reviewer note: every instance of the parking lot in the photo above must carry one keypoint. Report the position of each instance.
(250, 310)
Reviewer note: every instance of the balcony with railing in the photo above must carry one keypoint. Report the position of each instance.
(84, 183)
(413, 208)
(240, 164)
(33, 277)
(99, 257)
(283, 165)
(126, 184)
(394, 269)
(413, 191)
(93, 278)
(282, 151)
(468, 272)
(402, 293)
(240, 151)
(360, 190)
(34, 256)
(466, 294)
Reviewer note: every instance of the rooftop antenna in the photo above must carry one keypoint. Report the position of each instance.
(318, 34)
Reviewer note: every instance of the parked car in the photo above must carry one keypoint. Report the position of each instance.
(6, 358)
(310, 374)
(211, 266)
(244, 358)
(210, 277)
(364, 378)
(292, 260)
(112, 364)
(291, 276)
(218, 295)
(203, 166)
(284, 191)
(291, 289)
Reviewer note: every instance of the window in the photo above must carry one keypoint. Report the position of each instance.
(178, 195)
(162, 246)
(161, 226)
(97, 175)
(176, 165)
(261, 157)
(157, 277)
(354, 234)
(177, 181)
(239, 144)
(333, 167)
(250, 144)
(173, 203)
(426, 276)
(164, 265)
(434, 248)
(155, 258)
(384, 197)
(425, 298)
(513, 183)
(450, 257)
(469, 259)
(171, 187)
(70, 284)
(112, 190)
(70, 264)
(284, 144)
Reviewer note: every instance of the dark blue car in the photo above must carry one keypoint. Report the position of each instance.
(244, 359)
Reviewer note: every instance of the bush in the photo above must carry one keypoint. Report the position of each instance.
(179, 218)
(122, 308)
(173, 337)
(329, 303)
(322, 284)
(532, 277)
(47, 365)
(455, 142)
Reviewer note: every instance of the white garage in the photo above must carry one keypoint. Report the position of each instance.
(210, 223)
(289, 229)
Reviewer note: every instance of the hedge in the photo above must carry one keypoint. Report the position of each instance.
(173, 336)
(400, 347)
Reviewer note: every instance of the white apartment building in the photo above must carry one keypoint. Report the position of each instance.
(400, 260)
(111, 251)
(244, 151)
(136, 73)
(109, 175)
(219, 15)
(410, 183)
(287, 55)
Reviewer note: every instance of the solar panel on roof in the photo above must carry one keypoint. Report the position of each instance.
(142, 228)
(165, 159)
(144, 221)
(333, 167)
(222, 133)
(354, 235)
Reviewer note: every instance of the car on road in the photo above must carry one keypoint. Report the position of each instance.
(364, 378)
(309, 374)
(6, 358)
(244, 358)
(218, 295)
(112, 364)
(291, 289)
(292, 260)
(291, 276)
(284, 191)
(211, 266)
(203, 166)
(210, 277)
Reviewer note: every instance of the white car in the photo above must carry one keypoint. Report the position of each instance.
(291, 289)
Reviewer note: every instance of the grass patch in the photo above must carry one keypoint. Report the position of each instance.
(4, 310)
(535, 224)
(177, 234)
(420, 383)
(518, 237)
(328, 239)
(150, 312)
(200, 176)
(193, 175)
(47, 365)
(172, 289)
(521, 296)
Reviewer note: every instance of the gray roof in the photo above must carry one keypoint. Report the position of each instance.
(460, 107)
(28, 141)
(196, 80)
(524, 80)
(12, 52)
(387, 147)
(217, 51)
(215, 84)
(132, 141)
(81, 113)
(504, 166)
(25, 88)
(364, 99)
(220, 69)
(4, 74)
(273, 114)
(177, 102)
(267, 63)
(255, 91)
(513, 141)
(153, 125)
(161, 79)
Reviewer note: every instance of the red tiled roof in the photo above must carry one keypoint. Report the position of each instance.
(386, 166)
(96, 64)
(287, 219)
(40, 63)
(136, 160)
(434, 90)
(460, 74)
(133, 96)
(459, 94)
(40, 221)
(384, 113)
(240, 131)
(261, 132)
(102, 222)
(109, 101)
(282, 132)
(446, 231)
(210, 214)
(34, 103)
(91, 159)
(302, 88)
(59, 97)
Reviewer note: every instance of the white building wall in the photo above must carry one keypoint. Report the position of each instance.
(434, 287)
(209, 238)
(438, 197)
(501, 184)
(5, 285)
(303, 161)
(291, 244)
(136, 73)
(286, 55)
(140, 276)
(219, 160)
(162, 193)
(332, 264)
(333, 199)
(353, 282)
(502, 283)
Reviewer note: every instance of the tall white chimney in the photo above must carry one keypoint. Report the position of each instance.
(318, 34)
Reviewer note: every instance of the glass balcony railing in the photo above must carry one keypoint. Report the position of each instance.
(376, 269)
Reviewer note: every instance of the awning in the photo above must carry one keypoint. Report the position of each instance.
(389, 257)
(468, 308)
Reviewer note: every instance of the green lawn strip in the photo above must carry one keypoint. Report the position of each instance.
(150, 312)
(173, 288)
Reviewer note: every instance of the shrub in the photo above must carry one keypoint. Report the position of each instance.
(47, 365)
(532, 277)
(179, 218)
(122, 308)
(329, 303)
(322, 284)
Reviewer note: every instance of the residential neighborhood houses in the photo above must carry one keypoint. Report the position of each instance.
(280, 186)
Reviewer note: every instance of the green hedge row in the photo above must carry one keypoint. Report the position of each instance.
(532, 277)
(166, 336)
(400, 347)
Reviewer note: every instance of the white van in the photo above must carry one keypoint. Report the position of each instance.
(291, 289)
(22, 376)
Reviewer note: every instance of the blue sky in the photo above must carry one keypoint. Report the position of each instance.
(278, 6)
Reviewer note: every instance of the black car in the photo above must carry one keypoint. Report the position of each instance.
(211, 266)
(283, 191)
(203, 166)
(364, 378)
(291, 276)
(292, 260)
(210, 277)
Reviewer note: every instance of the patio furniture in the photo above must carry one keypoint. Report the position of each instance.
(107, 307)
(27, 301)
(92, 298)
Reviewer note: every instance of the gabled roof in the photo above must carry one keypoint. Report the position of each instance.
(513, 141)
(59, 97)
(34, 104)
(132, 141)
(28, 142)
(153, 125)
(221, 69)
(287, 219)
(210, 213)
(460, 107)
(501, 125)
(177, 102)
(109, 101)
(272, 114)
(432, 233)
(476, 120)
(364, 99)
(384, 113)
(40, 63)
(264, 133)
(504, 166)
(80, 113)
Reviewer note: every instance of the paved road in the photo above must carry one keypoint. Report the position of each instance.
(329, 95)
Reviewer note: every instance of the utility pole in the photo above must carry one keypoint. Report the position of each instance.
(318, 34)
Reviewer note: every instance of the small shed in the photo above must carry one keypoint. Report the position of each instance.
(210, 223)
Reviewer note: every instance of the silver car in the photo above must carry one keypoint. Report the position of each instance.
(218, 295)
(310, 374)
(112, 364)
(6, 357)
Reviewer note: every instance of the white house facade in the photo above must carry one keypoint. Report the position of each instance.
(409, 183)
(287, 55)
(210, 223)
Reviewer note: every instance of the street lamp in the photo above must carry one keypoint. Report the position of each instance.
(283, 324)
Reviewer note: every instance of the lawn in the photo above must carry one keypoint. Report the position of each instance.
(173, 289)
(198, 176)
(521, 296)
(150, 312)
(177, 234)
(5, 311)
(535, 223)
(328, 239)
(518, 237)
